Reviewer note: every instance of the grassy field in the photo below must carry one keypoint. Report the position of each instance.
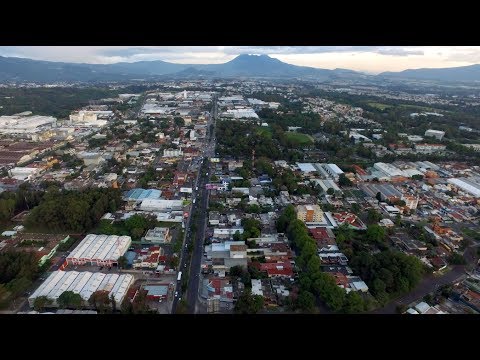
(379, 106)
(298, 138)
(265, 131)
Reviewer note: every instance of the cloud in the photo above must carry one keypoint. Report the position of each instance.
(366, 58)
(400, 52)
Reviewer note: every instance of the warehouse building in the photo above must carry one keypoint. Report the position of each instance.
(84, 284)
(161, 205)
(466, 185)
(100, 250)
(137, 195)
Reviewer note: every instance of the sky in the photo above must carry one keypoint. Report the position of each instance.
(370, 59)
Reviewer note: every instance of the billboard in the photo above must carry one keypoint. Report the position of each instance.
(215, 160)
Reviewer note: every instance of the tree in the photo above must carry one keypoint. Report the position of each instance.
(41, 303)
(375, 233)
(69, 299)
(306, 301)
(99, 300)
(330, 191)
(236, 270)
(456, 259)
(373, 216)
(122, 262)
(354, 303)
(179, 121)
(248, 303)
(356, 208)
(379, 196)
(344, 181)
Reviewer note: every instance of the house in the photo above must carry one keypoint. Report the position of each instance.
(158, 235)
(283, 269)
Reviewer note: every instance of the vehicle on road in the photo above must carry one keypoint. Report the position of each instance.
(176, 293)
(179, 276)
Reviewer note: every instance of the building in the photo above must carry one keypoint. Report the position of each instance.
(138, 195)
(282, 269)
(388, 169)
(172, 153)
(91, 158)
(466, 185)
(100, 250)
(331, 171)
(437, 134)
(161, 205)
(429, 148)
(309, 213)
(148, 258)
(227, 254)
(156, 292)
(410, 201)
(23, 173)
(84, 284)
(24, 124)
(158, 235)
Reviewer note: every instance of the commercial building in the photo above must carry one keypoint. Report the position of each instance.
(329, 171)
(100, 250)
(23, 124)
(161, 205)
(84, 284)
(172, 153)
(23, 173)
(309, 213)
(466, 185)
(158, 235)
(437, 134)
(91, 158)
(138, 195)
(388, 169)
(429, 148)
(227, 254)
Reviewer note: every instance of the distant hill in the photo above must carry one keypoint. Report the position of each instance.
(25, 70)
(463, 73)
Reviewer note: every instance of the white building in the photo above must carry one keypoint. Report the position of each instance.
(84, 284)
(465, 185)
(22, 124)
(161, 205)
(437, 134)
(23, 173)
(388, 169)
(100, 250)
(172, 153)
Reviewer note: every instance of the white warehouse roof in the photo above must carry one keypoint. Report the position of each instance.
(100, 248)
(83, 283)
(465, 186)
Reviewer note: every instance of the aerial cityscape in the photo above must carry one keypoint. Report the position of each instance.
(239, 180)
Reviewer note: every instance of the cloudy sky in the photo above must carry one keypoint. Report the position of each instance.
(372, 59)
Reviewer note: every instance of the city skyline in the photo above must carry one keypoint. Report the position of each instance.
(369, 59)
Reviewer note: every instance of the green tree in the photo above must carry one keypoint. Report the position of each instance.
(69, 299)
(330, 191)
(122, 262)
(354, 303)
(306, 301)
(41, 302)
(344, 181)
(375, 233)
(99, 300)
(248, 303)
(373, 216)
(379, 196)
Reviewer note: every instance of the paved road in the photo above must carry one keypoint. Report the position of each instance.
(200, 208)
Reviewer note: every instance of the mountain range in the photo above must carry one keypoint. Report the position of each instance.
(243, 66)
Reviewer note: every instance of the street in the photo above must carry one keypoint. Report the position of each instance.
(199, 207)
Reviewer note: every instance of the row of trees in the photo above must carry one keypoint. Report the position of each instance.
(77, 211)
(13, 202)
(313, 282)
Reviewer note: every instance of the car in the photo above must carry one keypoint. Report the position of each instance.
(176, 293)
